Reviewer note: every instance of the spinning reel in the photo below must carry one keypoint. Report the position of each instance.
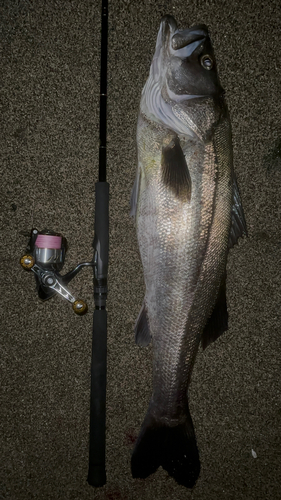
(45, 258)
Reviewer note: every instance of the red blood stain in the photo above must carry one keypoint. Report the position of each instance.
(114, 495)
(130, 437)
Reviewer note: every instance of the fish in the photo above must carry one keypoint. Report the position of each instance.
(188, 214)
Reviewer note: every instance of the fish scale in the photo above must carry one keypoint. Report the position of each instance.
(170, 282)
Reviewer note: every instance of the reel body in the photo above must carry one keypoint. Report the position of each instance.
(45, 258)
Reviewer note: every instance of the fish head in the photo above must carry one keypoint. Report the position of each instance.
(192, 66)
(186, 62)
(183, 73)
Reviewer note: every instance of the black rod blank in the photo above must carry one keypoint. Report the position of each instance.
(103, 91)
(97, 471)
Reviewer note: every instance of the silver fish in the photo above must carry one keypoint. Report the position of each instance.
(188, 214)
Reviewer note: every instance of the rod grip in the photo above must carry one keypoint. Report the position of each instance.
(96, 472)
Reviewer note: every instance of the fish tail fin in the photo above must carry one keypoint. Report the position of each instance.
(172, 447)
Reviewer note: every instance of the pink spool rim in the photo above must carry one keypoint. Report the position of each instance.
(48, 241)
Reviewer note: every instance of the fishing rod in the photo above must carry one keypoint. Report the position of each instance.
(96, 471)
(45, 256)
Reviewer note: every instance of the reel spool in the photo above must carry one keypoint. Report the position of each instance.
(45, 258)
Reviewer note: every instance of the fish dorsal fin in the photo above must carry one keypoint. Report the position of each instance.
(238, 223)
(218, 320)
(175, 174)
(142, 332)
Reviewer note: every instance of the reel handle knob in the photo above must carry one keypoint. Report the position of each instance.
(27, 262)
(79, 307)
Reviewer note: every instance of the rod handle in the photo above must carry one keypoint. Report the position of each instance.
(97, 472)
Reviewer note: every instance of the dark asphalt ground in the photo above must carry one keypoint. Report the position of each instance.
(49, 165)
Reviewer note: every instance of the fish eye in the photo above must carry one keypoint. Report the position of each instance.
(207, 62)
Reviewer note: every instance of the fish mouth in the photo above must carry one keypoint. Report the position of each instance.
(176, 39)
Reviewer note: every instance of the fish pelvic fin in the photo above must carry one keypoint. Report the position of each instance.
(217, 323)
(172, 447)
(134, 195)
(238, 223)
(142, 331)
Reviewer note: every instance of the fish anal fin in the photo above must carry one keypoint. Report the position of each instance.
(217, 323)
(175, 173)
(142, 332)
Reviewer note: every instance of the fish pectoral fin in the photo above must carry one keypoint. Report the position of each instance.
(238, 223)
(135, 194)
(218, 321)
(142, 331)
(175, 173)
(174, 448)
